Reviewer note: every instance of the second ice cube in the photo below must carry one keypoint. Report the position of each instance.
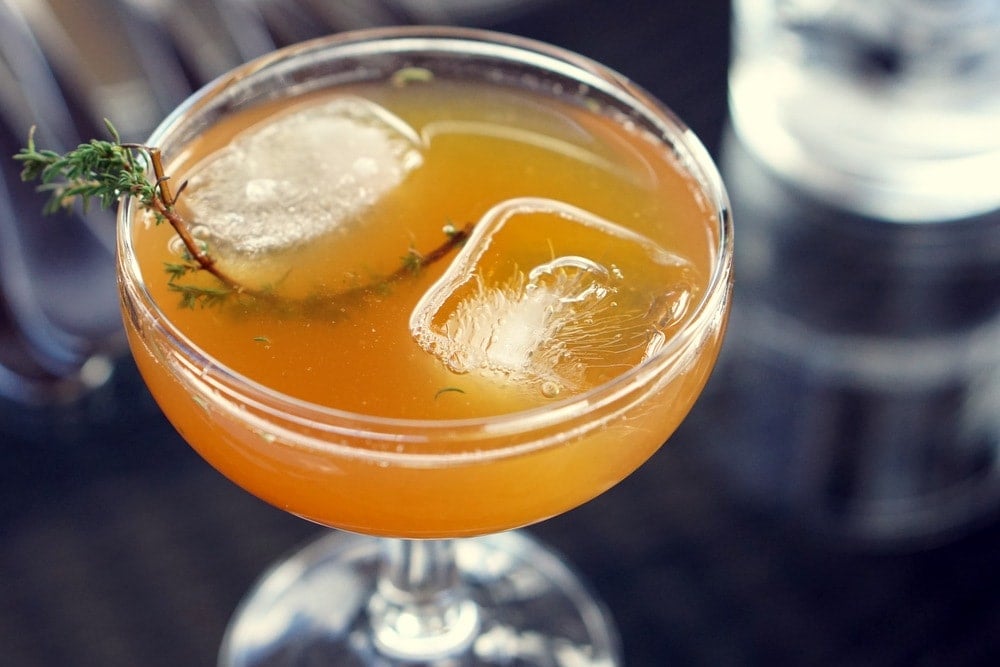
(549, 295)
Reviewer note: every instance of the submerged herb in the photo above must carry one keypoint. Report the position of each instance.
(409, 75)
(445, 390)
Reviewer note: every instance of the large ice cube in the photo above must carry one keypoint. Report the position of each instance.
(549, 295)
(302, 174)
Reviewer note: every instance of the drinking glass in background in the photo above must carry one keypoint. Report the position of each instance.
(861, 385)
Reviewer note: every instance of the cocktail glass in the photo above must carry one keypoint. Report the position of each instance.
(408, 592)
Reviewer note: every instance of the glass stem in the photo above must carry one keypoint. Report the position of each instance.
(420, 609)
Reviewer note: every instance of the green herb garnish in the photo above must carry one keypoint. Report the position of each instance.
(445, 390)
(106, 170)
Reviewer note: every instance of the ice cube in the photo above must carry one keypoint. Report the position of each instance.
(289, 179)
(548, 295)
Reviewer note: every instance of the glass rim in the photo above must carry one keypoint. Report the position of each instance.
(673, 132)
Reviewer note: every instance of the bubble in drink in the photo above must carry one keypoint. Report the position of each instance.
(288, 180)
(552, 296)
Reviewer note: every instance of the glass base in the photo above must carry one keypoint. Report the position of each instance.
(531, 609)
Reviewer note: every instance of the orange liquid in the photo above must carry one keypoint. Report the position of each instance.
(356, 352)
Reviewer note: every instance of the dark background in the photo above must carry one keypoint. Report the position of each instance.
(119, 547)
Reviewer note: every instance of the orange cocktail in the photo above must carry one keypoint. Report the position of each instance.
(465, 282)
(455, 397)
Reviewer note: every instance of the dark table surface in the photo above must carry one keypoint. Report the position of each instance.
(119, 547)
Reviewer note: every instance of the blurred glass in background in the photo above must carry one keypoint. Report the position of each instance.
(65, 65)
(860, 388)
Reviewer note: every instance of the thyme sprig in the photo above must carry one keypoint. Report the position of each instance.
(106, 170)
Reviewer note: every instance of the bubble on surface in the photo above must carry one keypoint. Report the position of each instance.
(292, 178)
(512, 305)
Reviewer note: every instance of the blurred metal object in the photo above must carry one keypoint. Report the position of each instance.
(464, 11)
(206, 39)
(65, 66)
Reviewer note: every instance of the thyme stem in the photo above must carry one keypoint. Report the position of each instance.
(205, 261)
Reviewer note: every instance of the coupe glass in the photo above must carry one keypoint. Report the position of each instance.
(410, 592)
